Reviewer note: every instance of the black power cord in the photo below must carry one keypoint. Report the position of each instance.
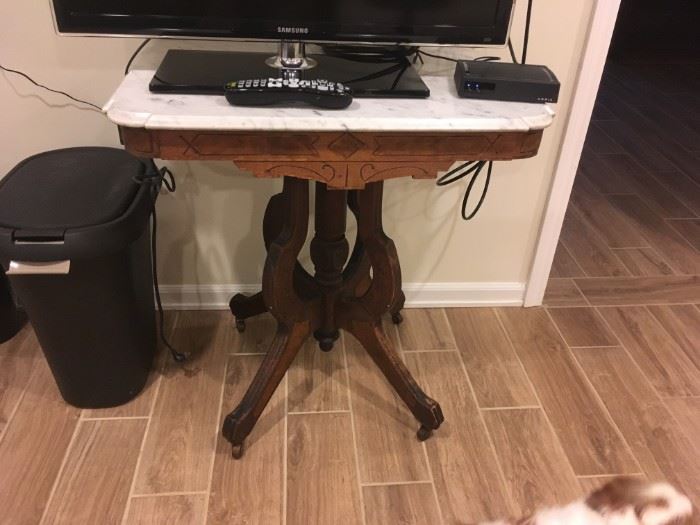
(420, 53)
(526, 38)
(161, 177)
(473, 168)
(134, 55)
(370, 54)
(68, 95)
(42, 86)
(164, 177)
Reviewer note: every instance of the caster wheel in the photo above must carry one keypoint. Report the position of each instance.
(424, 433)
(237, 451)
(397, 318)
(240, 325)
(326, 346)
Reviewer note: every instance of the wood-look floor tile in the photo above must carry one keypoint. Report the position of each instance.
(586, 246)
(465, 471)
(317, 380)
(95, 482)
(603, 218)
(180, 444)
(174, 510)
(590, 485)
(401, 504)
(250, 490)
(689, 229)
(257, 337)
(587, 435)
(601, 142)
(665, 364)
(564, 265)
(322, 485)
(385, 429)
(633, 144)
(652, 145)
(582, 327)
(640, 181)
(33, 447)
(662, 450)
(686, 410)
(536, 470)
(18, 358)
(645, 290)
(599, 174)
(683, 188)
(667, 241)
(563, 292)
(496, 374)
(643, 262)
(600, 112)
(425, 329)
(682, 323)
(671, 126)
(623, 103)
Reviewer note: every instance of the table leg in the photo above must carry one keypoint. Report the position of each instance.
(425, 410)
(360, 315)
(284, 348)
(296, 318)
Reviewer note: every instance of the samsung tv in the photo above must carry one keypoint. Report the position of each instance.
(467, 22)
(292, 24)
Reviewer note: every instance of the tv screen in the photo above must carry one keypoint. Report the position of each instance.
(475, 22)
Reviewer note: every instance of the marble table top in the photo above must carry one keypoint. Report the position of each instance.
(133, 105)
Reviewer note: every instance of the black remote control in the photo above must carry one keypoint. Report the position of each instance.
(277, 91)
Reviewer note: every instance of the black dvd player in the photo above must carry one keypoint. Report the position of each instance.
(506, 81)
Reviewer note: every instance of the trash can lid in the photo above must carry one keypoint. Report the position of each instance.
(69, 188)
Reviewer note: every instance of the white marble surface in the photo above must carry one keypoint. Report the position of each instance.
(133, 105)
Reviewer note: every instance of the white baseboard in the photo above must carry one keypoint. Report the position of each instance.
(418, 295)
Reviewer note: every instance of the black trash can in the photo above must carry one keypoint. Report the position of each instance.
(75, 243)
(12, 318)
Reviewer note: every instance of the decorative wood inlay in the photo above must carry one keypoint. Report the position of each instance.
(433, 145)
(385, 170)
(339, 159)
(249, 144)
(321, 171)
(346, 145)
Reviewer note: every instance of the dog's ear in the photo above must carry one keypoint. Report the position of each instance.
(618, 494)
(656, 503)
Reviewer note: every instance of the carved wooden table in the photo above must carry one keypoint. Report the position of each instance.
(349, 290)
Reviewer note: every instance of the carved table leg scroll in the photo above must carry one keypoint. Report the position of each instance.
(353, 297)
(243, 307)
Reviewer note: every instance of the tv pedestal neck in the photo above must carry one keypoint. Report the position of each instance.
(291, 56)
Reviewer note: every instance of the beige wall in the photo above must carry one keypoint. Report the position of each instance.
(210, 228)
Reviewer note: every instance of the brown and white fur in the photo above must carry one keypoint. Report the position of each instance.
(623, 501)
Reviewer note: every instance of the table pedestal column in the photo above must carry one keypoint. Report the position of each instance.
(352, 296)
